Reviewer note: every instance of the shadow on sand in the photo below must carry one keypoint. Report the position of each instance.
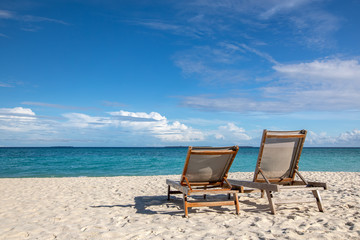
(160, 205)
(148, 204)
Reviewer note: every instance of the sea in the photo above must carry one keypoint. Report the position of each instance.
(19, 162)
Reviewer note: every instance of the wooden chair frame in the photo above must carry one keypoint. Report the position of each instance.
(271, 185)
(221, 186)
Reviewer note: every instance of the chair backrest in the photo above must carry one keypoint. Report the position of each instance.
(279, 155)
(208, 164)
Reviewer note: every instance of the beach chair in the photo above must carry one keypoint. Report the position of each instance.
(205, 172)
(276, 168)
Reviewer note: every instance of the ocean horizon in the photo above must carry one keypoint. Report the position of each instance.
(68, 161)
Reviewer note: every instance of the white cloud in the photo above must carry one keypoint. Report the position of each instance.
(158, 126)
(20, 119)
(81, 120)
(350, 137)
(319, 139)
(136, 115)
(345, 139)
(82, 126)
(16, 111)
(22, 126)
(233, 132)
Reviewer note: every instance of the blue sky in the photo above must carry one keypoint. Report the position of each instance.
(162, 73)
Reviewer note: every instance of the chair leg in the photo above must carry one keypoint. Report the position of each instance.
(271, 202)
(185, 205)
(236, 201)
(168, 192)
(318, 200)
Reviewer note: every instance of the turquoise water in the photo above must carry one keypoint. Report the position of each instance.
(74, 162)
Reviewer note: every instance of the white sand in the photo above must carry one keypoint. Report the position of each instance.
(137, 208)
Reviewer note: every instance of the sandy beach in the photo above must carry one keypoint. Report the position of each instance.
(137, 208)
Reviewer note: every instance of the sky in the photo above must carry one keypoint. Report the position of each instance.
(177, 73)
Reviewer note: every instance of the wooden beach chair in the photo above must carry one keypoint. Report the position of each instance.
(277, 166)
(205, 172)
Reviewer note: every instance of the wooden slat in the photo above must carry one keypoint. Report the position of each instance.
(210, 204)
(286, 136)
(221, 152)
(319, 184)
(204, 183)
(215, 191)
(295, 188)
(290, 201)
(249, 184)
(276, 180)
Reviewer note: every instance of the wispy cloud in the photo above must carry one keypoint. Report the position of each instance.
(4, 14)
(113, 104)
(29, 23)
(174, 28)
(273, 8)
(219, 64)
(59, 106)
(4, 35)
(7, 85)
(321, 85)
(307, 21)
(7, 14)
(259, 53)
